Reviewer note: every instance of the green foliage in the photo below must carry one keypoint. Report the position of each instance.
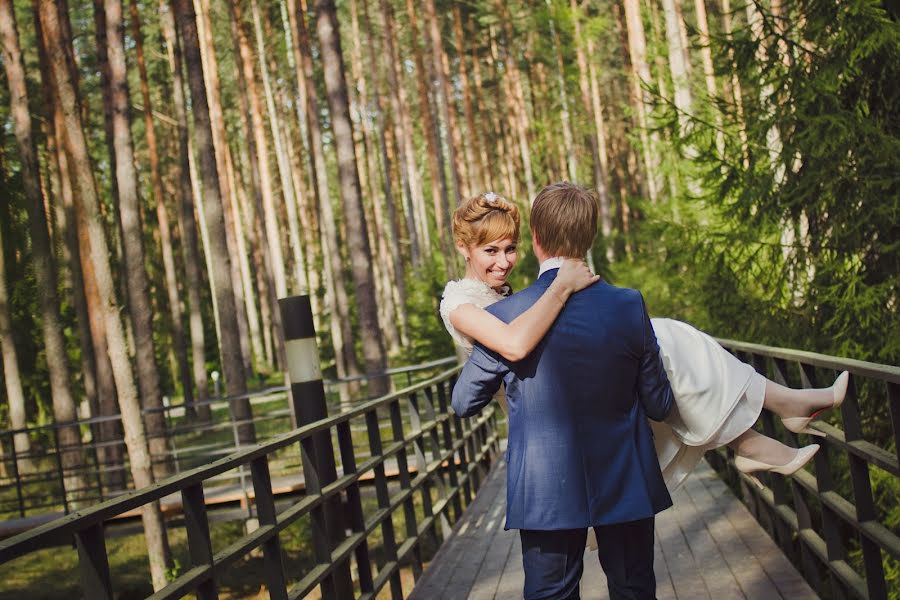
(793, 239)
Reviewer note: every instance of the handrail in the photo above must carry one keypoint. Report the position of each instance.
(827, 520)
(450, 456)
(101, 460)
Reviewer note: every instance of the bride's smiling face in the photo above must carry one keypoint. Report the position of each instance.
(491, 262)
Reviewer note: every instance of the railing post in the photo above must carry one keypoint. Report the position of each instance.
(16, 475)
(59, 466)
(93, 563)
(319, 469)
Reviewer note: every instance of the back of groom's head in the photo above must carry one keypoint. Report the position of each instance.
(564, 219)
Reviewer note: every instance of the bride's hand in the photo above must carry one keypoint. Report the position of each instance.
(574, 275)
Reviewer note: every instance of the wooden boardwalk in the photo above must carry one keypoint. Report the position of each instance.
(707, 546)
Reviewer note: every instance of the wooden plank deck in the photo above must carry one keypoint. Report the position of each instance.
(707, 546)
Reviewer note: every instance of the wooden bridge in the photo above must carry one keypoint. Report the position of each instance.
(435, 530)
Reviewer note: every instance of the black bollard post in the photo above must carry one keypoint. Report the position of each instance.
(319, 468)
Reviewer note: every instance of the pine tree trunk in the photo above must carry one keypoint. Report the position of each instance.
(258, 131)
(272, 281)
(484, 122)
(472, 157)
(100, 388)
(282, 161)
(232, 361)
(138, 287)
(569, 157)
(709, 74)
(414, 201)
(64, 409)
(357, 236)
(678, 66)
(335, 292)
(439, 192)
(187, 225)
(88, 206)
(516, 93)
(210, 70)
(602, 145)
(162, 213)
(640, 75)
(458, 169)
(592, 108)
(397, 282)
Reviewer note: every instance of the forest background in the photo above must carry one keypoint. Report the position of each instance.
(168, 170)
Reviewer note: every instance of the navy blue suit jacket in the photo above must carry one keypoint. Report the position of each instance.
(580, 449)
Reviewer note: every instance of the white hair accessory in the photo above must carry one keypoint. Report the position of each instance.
(491, 197)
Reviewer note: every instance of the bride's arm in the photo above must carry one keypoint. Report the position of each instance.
(515, 340)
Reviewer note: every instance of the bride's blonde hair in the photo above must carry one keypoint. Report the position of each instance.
(485, 218)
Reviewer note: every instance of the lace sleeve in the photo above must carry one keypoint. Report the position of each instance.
(464, 291)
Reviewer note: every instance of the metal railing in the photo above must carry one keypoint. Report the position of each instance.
(41, 493)
(440, 461)
(827, 518)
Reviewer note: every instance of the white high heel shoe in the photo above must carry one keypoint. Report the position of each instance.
(750, 465)
(801, 424)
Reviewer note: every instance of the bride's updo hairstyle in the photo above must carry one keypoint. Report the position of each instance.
(485, 218)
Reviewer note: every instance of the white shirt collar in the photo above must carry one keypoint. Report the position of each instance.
(554, 262)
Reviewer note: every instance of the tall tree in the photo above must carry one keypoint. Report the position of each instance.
(138, 287)
(640, 77)
(162, 212)
(64, 410)
(187, 225)
(229, 342)
(439, 192)
(357, 236)
(97, 255)
(341, 332)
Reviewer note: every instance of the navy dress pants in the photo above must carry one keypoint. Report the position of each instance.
(553, 561)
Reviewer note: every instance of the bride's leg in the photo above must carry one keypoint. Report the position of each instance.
(788, 402)
(754, 445)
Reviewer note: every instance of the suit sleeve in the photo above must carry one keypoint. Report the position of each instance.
(478, 382)
(654, 391)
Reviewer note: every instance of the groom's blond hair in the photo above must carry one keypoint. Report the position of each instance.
(564, 219)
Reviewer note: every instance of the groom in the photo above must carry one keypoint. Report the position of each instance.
(580, 449)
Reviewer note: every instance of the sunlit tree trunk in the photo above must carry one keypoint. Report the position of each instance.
(736, 93)
(95, 358)
(162, 213)
(678, 65)
(89, 219)
(232, 361)
(138, 287)
(357, 237)
(640, 75)
(187, 224)
(439, 192)
(501, 134)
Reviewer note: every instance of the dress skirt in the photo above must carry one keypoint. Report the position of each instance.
(717, 398)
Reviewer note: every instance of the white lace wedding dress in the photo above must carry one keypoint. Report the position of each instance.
(717, 397)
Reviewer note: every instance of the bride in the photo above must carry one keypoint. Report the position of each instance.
(718, 398)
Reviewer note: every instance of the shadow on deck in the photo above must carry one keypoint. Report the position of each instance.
(707, 546)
